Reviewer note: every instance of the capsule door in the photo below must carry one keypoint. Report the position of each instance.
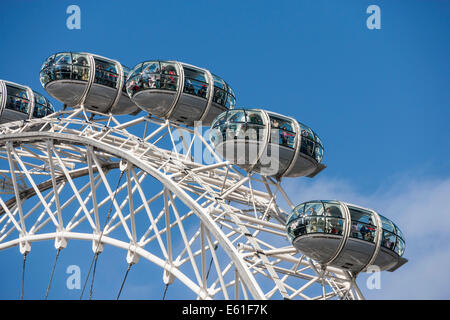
(361, 243)
(103, 90)
(280, 149)
(194, 97)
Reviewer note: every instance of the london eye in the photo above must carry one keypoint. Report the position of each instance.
(221, 224)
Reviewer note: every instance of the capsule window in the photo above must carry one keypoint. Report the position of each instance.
(254, 118)
(388, 240)
(80, 59)
(126, 72)
(150, 75)
(387, 224)
(299, 210)
(400, 247)
(151, 67)
(318, 151)
(333, 209)
(80, 67)
(220, 120)
(220, 91)
(17, 99)
(39, 111)
(153, 75)
(50, 60)
(282, 132)
(169, 76)
(168, 68)
(219, 83)
(220, 96)
(363, 226)
(397, 231)
(314, 209)
(307, 142)
(231, 102)
(195, 82)
(63, 58)
(105, 73)
(39, 99)
(237, 116)
(231, 99)
(46, 75)
(62, 67)
(136, 70)
(40, 106)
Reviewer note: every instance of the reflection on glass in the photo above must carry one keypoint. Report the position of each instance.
(75, 66)
(42, 107)
(223, 94)
(237, 124)
(105, 73)
(327, 217)
(316, 217)
(195, 82)
(153, 75)
(59, 67)
(126, 72)
(363, 226)
(17, 99)
(281, 130)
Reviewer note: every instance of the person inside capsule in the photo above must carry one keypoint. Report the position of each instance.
(18, 103)
(310, 220)
(84, 79)
(258, 133)
(156, 87)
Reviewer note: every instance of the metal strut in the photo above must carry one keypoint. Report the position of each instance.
(124, 279)
(23, 274)
(53, 271)
(210, 262)
(165, 291)
(96, 253)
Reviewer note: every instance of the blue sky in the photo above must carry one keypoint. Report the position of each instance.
(379, 99)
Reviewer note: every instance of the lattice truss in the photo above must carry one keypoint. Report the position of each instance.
(217, 229)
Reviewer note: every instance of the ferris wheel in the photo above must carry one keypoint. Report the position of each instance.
(208, 209)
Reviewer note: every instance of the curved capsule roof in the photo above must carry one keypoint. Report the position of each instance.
(18, 102)
(179, 92)
(96, 82)
(346, 236)
(268, 143)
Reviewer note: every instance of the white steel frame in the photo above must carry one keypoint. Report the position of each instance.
(209, 212)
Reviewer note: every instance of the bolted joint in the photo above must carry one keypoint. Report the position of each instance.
(97, 246)
(132, 256)
(60, 241)
(24, 247)
(168, 276)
